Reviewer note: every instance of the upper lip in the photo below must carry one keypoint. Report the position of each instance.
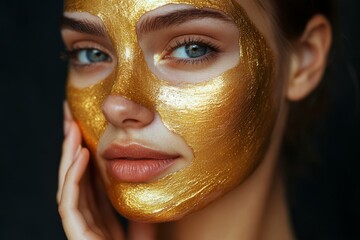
(135, 152)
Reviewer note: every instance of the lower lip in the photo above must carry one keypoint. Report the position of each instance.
(139, 170)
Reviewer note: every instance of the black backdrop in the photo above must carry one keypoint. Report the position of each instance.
(32, 90)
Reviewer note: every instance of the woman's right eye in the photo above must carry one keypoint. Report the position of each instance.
(88, 56)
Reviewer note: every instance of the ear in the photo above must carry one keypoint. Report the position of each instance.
(309, 58)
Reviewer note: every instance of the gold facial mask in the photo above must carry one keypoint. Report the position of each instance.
(227, 121)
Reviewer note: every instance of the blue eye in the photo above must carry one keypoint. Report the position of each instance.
(191, 50)
(194, 50)
(92, 56)
(87, 56)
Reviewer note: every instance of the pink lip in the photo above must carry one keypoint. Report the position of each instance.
(135, 163)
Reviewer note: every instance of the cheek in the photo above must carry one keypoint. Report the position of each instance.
(230, 110)
(86, 107)
(228, 123)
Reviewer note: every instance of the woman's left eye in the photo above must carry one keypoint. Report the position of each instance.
(194, 50)
(191, 51)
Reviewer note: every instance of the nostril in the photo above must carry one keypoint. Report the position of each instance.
(130, 121)
(124, 113)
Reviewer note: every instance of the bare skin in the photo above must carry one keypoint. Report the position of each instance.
(254, 210)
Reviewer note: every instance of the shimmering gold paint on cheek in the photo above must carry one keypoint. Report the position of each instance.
(86, 105)
(227, 121)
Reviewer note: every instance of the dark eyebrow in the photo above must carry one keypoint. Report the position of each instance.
(83, 26)
(177, 18)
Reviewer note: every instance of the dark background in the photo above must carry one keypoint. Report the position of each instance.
(327, 198)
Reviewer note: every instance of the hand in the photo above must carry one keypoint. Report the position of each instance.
(84, 209)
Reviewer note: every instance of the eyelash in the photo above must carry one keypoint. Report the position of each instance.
(215, 49)
(72, 55)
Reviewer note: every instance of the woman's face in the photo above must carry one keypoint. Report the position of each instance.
(177, 100)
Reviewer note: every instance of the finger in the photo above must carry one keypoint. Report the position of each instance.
(90, 203)
(73, 178)
(87, 202)
(67, 113)
(71, 147)
(67, 118)
(97, 213)
(74, 221)
(106, 211)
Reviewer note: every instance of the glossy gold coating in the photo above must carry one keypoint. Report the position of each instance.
(227, 121)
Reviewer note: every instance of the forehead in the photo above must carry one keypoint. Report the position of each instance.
(133, 10)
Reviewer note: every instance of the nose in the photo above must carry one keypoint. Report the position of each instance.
(124, 113)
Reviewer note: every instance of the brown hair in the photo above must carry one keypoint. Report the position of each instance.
(291, 18)
(293, 15)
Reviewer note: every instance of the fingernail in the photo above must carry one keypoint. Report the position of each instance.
(77, 153)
